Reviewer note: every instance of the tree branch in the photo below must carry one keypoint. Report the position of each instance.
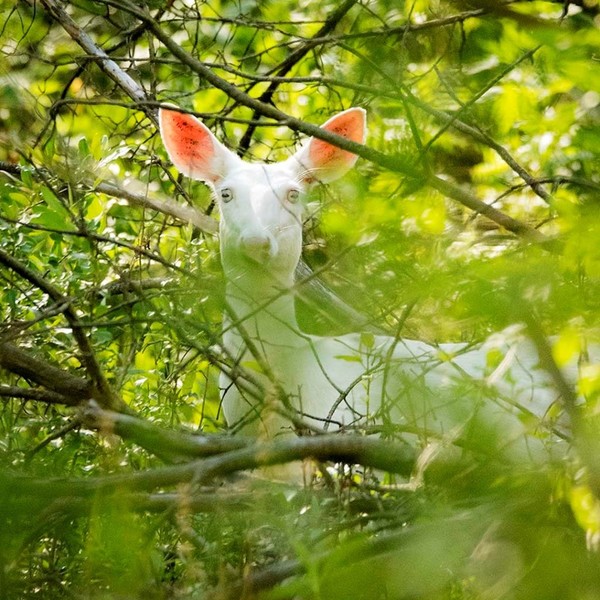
(165, 206)
(267, 96)
(470, 201)
(122, 79)
(585, 437)
(108, 397)
(175, 446)
(370, 452)
(74, 390)
(50, 397)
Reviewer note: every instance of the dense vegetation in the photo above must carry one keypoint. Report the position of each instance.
(474, 209)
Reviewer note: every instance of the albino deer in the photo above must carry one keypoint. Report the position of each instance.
(334, 382)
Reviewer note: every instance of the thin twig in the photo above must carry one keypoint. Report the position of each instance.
(107, 395)
(267, 96)
(584, 436)
(122, 79)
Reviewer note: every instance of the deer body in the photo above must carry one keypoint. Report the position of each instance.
(330, 382)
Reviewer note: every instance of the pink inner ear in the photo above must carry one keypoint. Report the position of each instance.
(188, 142)
(349, 124)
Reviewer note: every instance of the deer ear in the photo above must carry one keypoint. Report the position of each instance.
(192, 148)
(324, 162)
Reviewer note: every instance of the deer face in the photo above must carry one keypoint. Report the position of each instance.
(261, 217)
(261, 205)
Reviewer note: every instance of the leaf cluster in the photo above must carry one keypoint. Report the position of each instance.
(475, 196)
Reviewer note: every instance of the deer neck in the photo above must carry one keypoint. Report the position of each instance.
(260, 309)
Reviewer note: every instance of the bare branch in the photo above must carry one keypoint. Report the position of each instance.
(129, 85)
(163, 205)
(74, 390)
(10, 391)
(172, 445)
(370, 452)
(266, 97)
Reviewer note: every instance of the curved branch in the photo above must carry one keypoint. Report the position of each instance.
(72, 389)
(175, 446)
(370, 452)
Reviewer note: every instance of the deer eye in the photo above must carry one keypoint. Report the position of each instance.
(226, 195)
(293, 196)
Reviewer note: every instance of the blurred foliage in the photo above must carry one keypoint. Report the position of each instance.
(465, 91)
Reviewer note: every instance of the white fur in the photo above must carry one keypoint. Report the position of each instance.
(429, 392)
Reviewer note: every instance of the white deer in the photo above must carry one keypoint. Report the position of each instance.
(350, 380)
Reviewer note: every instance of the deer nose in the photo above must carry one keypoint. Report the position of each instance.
(258, 246)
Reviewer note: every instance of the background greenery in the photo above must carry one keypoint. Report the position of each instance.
(112, 290)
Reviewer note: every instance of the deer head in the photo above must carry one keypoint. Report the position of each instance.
(260, 204)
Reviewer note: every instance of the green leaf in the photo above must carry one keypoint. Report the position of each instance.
(26, 176)
(54, 215)
(84, 148)
(348, 357)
